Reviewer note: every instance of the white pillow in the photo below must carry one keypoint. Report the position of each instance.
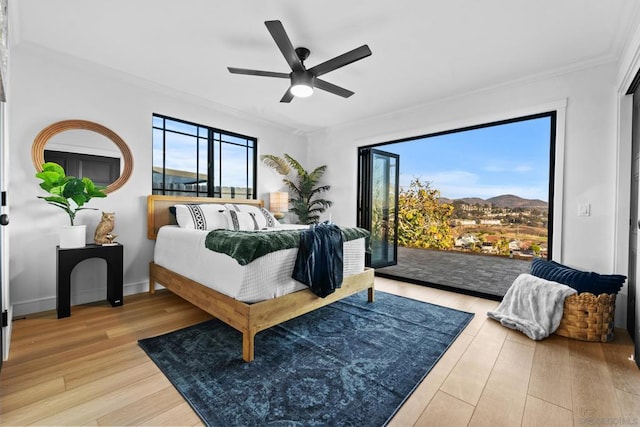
(242, 221)
(208, 216)
(263, 216)
(231, 207)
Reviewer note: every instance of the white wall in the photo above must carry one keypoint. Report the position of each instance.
(588, 151)
(47, 87)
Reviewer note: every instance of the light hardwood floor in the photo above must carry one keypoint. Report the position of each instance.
(88, 370)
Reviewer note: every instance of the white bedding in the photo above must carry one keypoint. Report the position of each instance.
(183, 251)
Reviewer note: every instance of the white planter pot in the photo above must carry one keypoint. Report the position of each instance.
(73, 236)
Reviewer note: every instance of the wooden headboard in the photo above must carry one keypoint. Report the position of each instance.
(158, 209)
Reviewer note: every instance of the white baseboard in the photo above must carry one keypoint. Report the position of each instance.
(23, 308)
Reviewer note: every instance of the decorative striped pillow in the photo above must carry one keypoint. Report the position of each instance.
(242, 221)
(263, 217)
(201, 216)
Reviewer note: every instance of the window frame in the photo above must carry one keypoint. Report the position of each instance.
(215, 140)
(555, 115)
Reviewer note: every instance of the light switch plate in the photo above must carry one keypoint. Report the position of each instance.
(584, 209)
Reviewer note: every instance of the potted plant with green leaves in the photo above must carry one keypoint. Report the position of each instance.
(304, 188)
(69, 194)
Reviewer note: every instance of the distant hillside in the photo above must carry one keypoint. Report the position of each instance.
(511, 201)
(503, 201)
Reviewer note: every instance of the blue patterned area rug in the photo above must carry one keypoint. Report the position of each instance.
(350, 363)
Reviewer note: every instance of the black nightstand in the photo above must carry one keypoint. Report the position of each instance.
(69, 258)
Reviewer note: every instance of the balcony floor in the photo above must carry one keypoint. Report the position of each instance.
(481, 275)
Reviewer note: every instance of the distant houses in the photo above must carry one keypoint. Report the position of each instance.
(466, 241)
(495, 229)
(491, 244)
(515, 246)
(477, 221)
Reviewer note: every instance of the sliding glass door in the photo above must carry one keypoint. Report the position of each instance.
(378, 204)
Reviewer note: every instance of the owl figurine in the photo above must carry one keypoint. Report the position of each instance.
(103, 235)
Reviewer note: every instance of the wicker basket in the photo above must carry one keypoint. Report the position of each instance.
(588, 317)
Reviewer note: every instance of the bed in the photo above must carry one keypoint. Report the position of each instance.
(249, 318)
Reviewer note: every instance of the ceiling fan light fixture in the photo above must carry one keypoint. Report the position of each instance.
(302, 84)
(301, 91)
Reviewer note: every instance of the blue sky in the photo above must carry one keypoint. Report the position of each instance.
(511, 158)
(182, 151)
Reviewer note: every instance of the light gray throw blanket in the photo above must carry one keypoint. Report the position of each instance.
(533, 306)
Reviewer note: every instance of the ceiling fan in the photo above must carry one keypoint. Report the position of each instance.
(303, 80)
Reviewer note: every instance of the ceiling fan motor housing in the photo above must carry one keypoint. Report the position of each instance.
(302, 78)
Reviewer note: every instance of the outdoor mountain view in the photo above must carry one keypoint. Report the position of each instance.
(484, 190)
(501, 225)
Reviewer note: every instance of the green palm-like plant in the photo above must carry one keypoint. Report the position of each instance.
(65, 189)
(304, 188)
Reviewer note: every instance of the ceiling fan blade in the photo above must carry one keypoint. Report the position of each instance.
(282, 40)
(234, 70)
(287, 97)
(330, 87)
(342, 60)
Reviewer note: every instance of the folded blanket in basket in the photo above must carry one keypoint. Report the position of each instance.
(533, 306)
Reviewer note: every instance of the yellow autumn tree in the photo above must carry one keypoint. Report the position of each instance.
(423, 221)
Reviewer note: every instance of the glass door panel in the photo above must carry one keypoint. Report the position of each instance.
(378, 204)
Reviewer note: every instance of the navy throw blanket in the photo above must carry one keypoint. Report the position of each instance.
(319, 263)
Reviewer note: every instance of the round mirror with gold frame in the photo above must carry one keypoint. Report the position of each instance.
(39, 143)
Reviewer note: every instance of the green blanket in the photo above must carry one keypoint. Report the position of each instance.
(245, 246)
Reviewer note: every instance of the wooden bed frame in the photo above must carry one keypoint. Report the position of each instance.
(249, 319)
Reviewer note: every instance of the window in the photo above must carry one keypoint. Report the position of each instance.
(195, 160)
(485, 190)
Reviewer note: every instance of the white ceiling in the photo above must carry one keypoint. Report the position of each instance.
(423, 50)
